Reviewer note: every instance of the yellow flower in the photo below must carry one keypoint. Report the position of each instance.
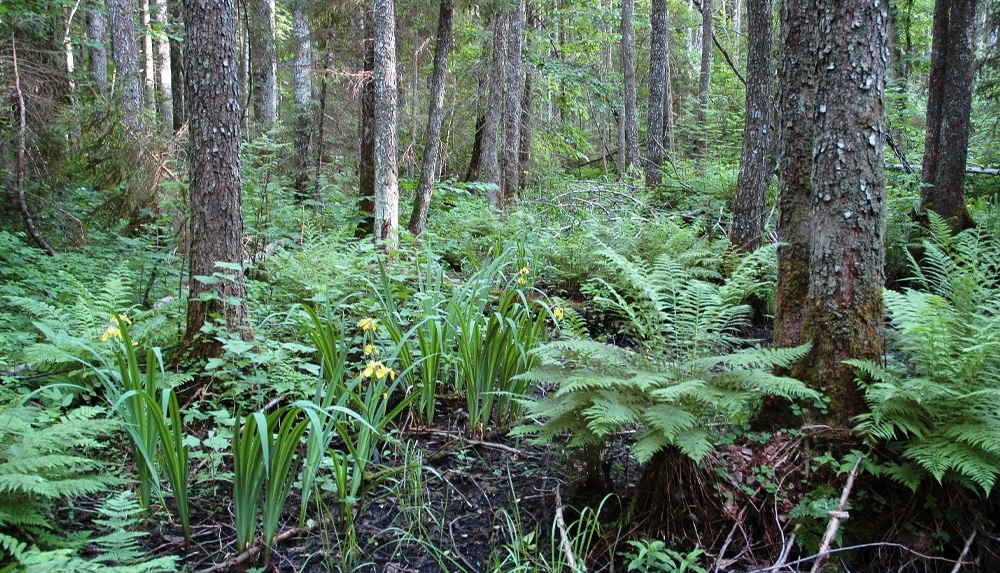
(367, 324)
(557, 312)
(111, 332)
(371, 349)
(521, 281)
(371, 368)
(524, 270)
(382, 371)
(125, 319)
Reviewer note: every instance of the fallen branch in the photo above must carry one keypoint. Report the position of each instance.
(969, 170)
(835, 517)
(965, 551)
(253, 551)
(864, 546)
(564, 544)
(469, 441)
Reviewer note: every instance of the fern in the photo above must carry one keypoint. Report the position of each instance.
(938, 400)
(687, 370)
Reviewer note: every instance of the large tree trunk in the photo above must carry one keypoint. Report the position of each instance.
(796, 92)
(302, 97)
(166, 79)
(149, 76)
(435, 117)
(386, 143)
(97, 54)
(490, 164)
(631, 118)
(125, 55)
(366, 159)
(263, 64)
(949, 102)
(705, 77)
(214, 157)
(845, 313)
(756, 168)
(512, 106)
(658, 53)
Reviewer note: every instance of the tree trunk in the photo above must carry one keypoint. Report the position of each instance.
(796, 93)
(512, 106)
(263, 64)
(756, 168)
(177, 70)
(96, 52)
(149, 75)
(125, 55)
(524, 153)
(705, 78)
(166, 79)
(491, 125)
(214, 157)
(366, 161)
(668, 106)
(949, 102)
(845, 313)
(631, 118)
(386, 143)
(476, 158)
(435, 117)
(657, 87)
(302, 97)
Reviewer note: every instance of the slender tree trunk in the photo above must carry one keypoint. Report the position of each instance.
(435, 117)
(263, 64)
(302, 96)
(149, 76)
(631, 119)
(657, 87)
(512, 106)
(366, 163)
(125, 54)
(491, 127)
(177, 69)
(166, 79)
(705, 78)
(67, 41)
(524, 152)
(845, 313)
(214, 157)
(321, 115)
(756, 168)
(476, 158)
(386, 136)
(97, 54)
(949, 104)
(668, 107)
(796, 93)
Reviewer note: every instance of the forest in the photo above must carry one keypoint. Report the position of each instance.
(499, 285)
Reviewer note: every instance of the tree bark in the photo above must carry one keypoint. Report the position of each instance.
(524, 152)
(705, 77)
(435, 117)
(214, 158)
(490, 164)
(177, 70)
(949, 103)
(796, 94)
(125, 55)
(302, 97)
(386, 137)
(845, 313)
(263, 64)
(658, 52)
(631, 118)
(149, 76)
(512, 106)
(756, 168)
(166, 79)
(97, 54)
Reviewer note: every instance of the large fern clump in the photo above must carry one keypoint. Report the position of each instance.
(690, 366)
(45, 456)
(937, 400)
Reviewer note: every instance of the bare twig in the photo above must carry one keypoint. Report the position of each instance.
(899, 546)
(965, 551)
(253, 551)
(835, 517)
(564, 544)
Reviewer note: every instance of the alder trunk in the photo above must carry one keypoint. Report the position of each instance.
(366, 160)
(657, 87)
(302, 97)
(97, 54)
(214, 158)
(166, 106)
(435, 117)
(631, 119)
(512, 106)
(845, 313)
(386, 136)
(756, 168)
(125, 54)
(490, 162)
(705, 78)
(263, 64)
